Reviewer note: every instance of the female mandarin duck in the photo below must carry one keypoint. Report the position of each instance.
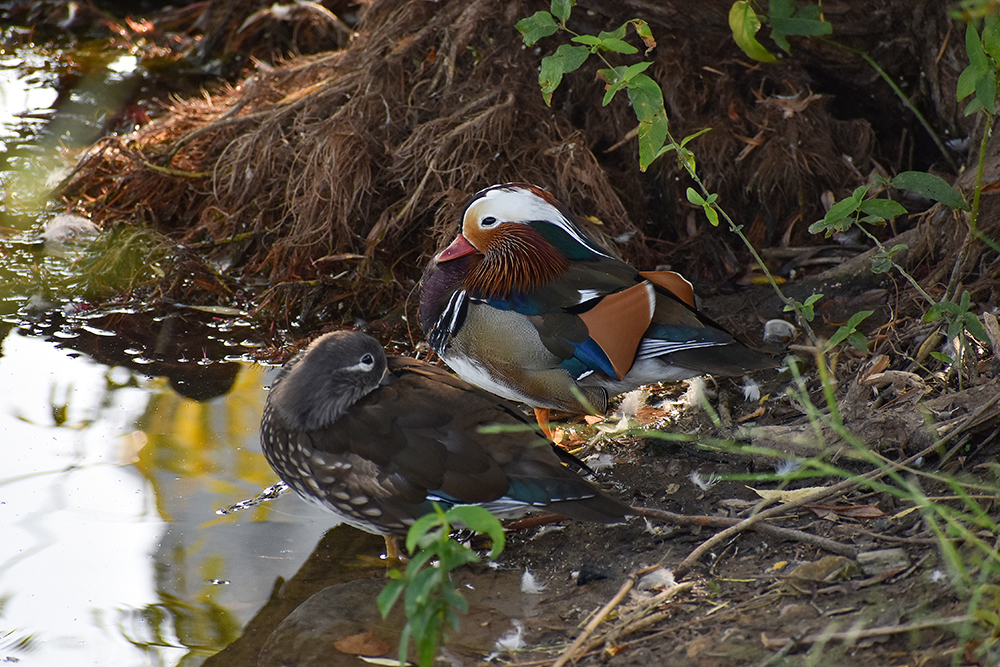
(377, 440)
(523, 304)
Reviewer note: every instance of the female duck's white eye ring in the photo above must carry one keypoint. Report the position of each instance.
(368, 360)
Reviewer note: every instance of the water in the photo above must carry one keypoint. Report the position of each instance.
(113, 553)
(121, 433)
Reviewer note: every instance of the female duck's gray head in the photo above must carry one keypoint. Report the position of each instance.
(323, 381)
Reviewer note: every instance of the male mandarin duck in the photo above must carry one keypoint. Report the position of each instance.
(378, 439)
(525, 305)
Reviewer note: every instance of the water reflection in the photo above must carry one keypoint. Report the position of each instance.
(113, 553)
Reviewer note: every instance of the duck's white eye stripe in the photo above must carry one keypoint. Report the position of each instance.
(366, 364)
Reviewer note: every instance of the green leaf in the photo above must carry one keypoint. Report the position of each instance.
(849, 204)
(974, 106)
(984, 76)
(974, 47)
(806, 309)
(589, 40)
(536, 26)
(857, 318)
(812, 12)
(620, 77)
(427, 642)
(781, 9)
(966, 83)
(881, 264)
(712, 215)
(848, 329)
(804, 27)
(930, 186)
(782, 41)
(634, 70)
(387, 598)
(840, 217)
(685, 140)
(404, 643)
(647, 102)
(745, 24)
(481, 521)
(830, 226)
(456, 601)
(986, 93)
(883, 260)
(566, 59)
(694, 197)
(886, 209)
(937, 311)
(975, 327)
(612, 41)
(801, 27)
(941, 356)
(419, 560)
(420, 528)
(618, 46)
(418, 592)
(615, 78)
(561, 9)
(991, 38)
(684, 155)
(858, 341)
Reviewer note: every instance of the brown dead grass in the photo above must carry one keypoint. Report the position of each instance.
(334, 176)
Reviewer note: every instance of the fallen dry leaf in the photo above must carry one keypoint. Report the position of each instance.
(363, 643)
(786, 495)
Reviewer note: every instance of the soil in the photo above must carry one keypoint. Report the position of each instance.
(349, 195)
(883, 596)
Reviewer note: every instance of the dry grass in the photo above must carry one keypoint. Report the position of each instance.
(341, 172)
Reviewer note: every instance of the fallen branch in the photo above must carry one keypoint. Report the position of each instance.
(852, 635)
(733, 526)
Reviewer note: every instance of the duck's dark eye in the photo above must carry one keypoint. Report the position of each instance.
(488, 221)
(368, 360)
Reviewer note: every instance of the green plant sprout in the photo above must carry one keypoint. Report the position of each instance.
(653, 131)
(786, 20)
(856, 209)
(971, 561)
(978, 80)
(643, 92)
(431, 603)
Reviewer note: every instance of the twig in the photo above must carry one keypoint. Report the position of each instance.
(837, 489)
(641, 618)
(897, 539)
(569, 653)
(753, 519)
(227, 118)
(765, 528)
(973, 221)
(169, 171)
(236, 238)
(852, 635)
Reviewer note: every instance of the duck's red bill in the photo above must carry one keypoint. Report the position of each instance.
(458, 248)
